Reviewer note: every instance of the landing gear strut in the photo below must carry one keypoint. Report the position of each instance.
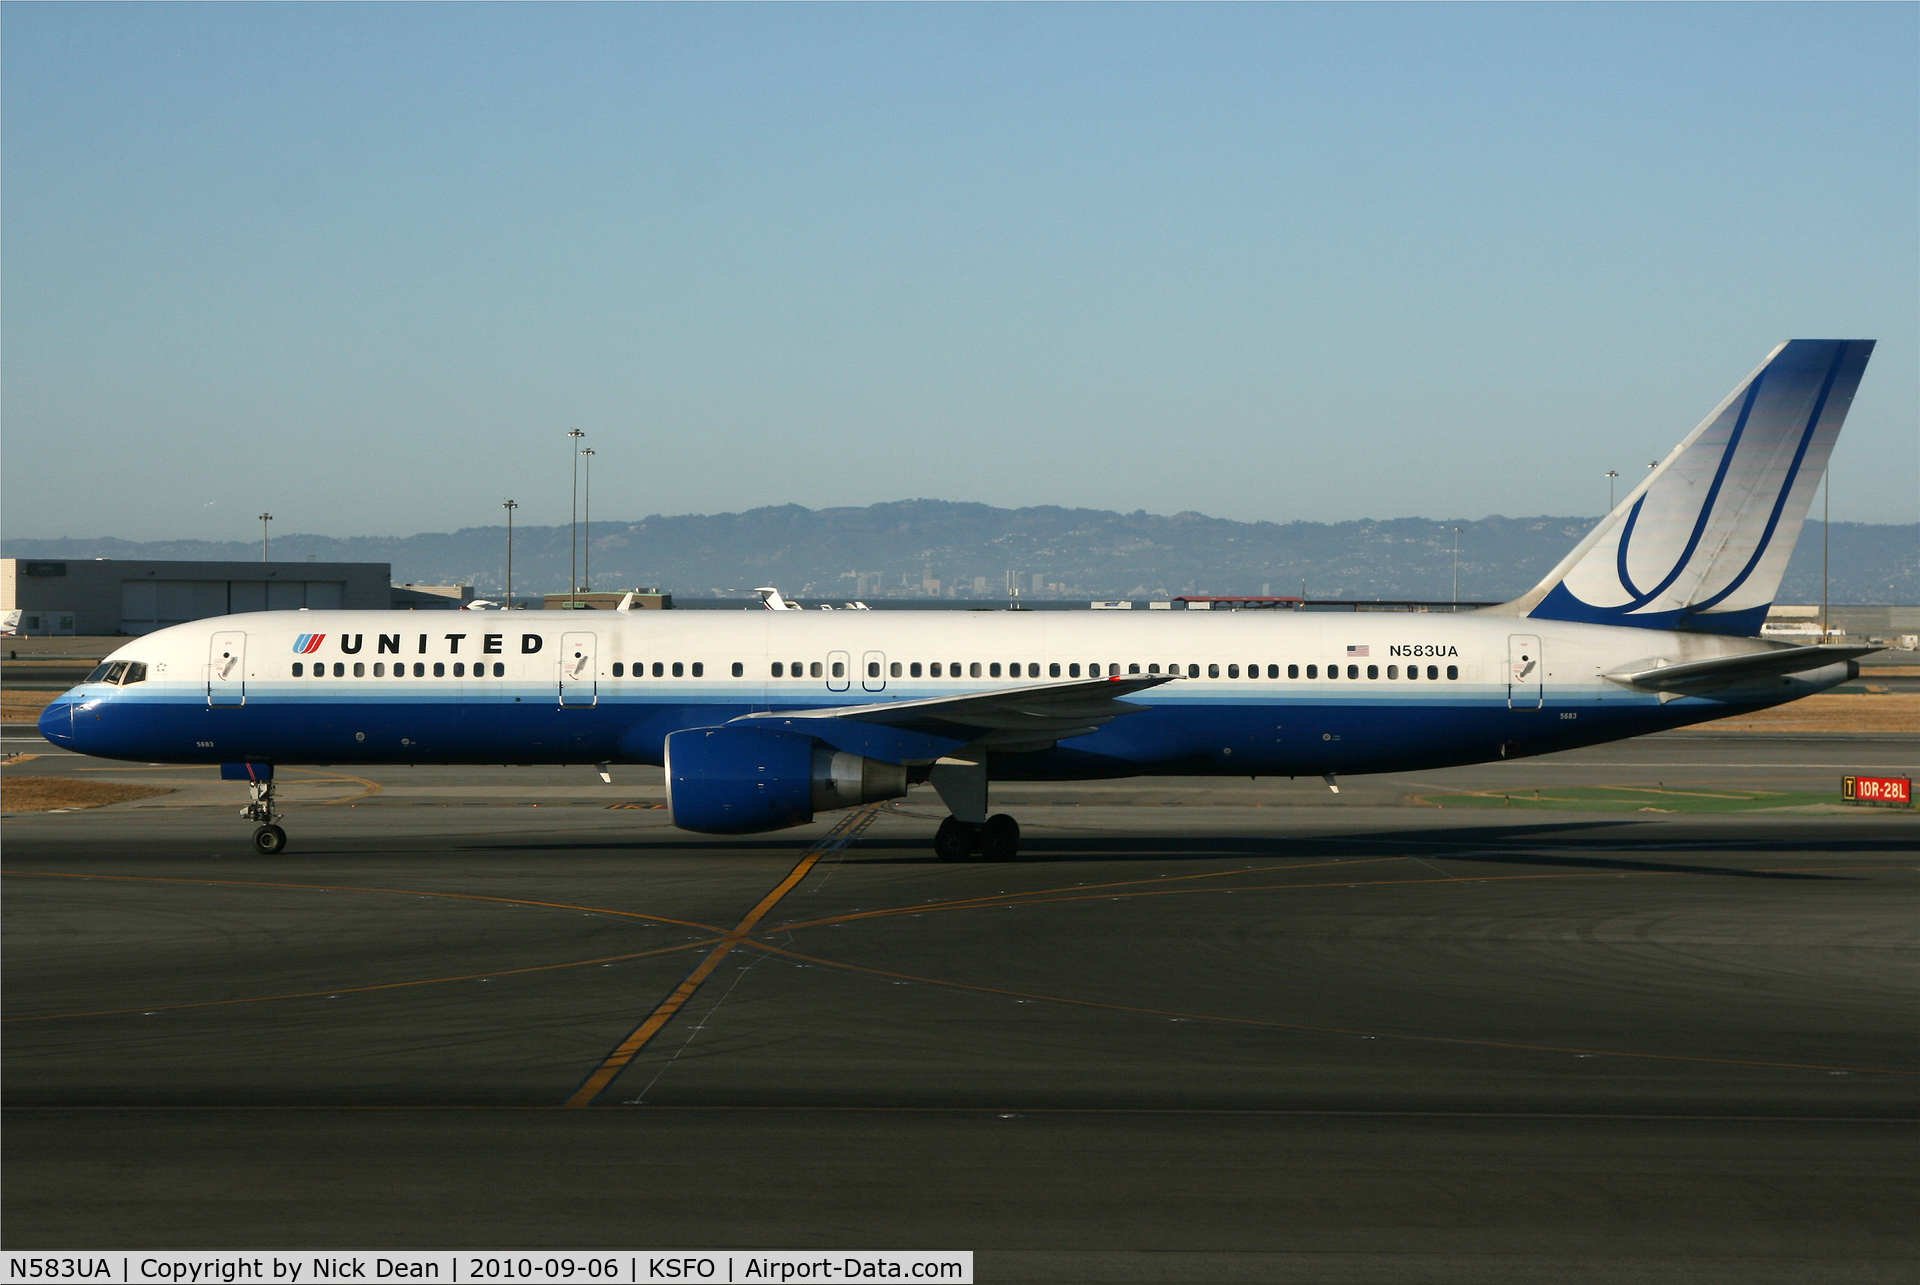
(995, 839)
(269, 838)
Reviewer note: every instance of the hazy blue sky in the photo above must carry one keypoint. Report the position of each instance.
(365, 264)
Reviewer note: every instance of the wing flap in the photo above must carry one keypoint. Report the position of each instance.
(1013, 718)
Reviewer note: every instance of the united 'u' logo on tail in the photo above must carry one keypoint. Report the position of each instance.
(307, 644)
(1702, 543)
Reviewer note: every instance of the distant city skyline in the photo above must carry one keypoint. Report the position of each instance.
(363, 267)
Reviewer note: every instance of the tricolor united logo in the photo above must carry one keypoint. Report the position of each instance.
(307, 644)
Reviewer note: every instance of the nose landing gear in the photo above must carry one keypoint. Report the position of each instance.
(269, 838)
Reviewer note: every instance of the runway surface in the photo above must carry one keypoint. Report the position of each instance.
(1201, 1031)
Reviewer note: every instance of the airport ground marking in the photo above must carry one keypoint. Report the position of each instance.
(1304, 1028)
(336, 991)
(998, 899)
(1041, 898)
(328, 887)
(849, 828)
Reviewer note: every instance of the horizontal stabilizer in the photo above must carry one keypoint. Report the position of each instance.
(1702, 542)
(1723, 671)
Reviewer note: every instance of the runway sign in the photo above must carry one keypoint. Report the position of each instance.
(1888, 791)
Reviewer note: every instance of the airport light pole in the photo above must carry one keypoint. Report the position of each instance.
(573, 548)
(1611, 474)
(1456, 568)
(586, 545)
(509, 506)
(264, 519)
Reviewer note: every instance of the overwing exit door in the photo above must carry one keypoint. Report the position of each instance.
(227, 669)
(1526, 672)
(578, 670)
(873, 671)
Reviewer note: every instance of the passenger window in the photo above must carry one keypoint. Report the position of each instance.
(913, 670)
(1233, 671)
(499, 669)
(1433, 671)
(1313, 671)
(1373, 671)
(893, 670)
(1353, 671)
(1073, 670)
(1393, 671)
(778, 669)
(658, 669)
(299, 671)
(1213, 671)
(993, 670)
(739, 670)
(973, 670)
(379, 669)
(459, 669)
(1153, 669)
(1273, 671)
(1093, 670)
(359, 670)
(934, 669)
(1333, 671)
(1134, 668)
(699, 668)
(619, 669)
(873, 669)
(1413, 672)
(439, 669)
(839, 669)
(679, 670)
(339, 669)
(1053, 670)
(814, 670)
(1453, 672)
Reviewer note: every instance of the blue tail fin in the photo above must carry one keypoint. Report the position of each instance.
(1701, 544)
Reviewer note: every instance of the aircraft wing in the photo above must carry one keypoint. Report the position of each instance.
(1723, 671)
(1012, 719)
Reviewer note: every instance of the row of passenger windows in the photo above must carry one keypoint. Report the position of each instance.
(1022, 669)
(400, 669)
(815, 669)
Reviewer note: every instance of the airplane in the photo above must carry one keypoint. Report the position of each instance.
(761, 719)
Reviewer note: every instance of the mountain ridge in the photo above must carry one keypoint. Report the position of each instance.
(895, 549)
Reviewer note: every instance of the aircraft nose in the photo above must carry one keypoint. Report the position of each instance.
(56, 723)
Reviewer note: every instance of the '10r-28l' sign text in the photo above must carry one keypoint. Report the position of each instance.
(1877, 789)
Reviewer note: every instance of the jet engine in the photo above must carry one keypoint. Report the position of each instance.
(743, 780)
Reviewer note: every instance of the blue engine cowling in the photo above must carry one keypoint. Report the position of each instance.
(744, 780)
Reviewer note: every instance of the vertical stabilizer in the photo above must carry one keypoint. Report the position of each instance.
(1701, 544)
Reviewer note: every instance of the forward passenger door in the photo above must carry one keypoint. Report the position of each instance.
(578, 670)
(227, 669)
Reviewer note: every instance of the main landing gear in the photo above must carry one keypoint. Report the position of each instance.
(995, 839)
(269, 839)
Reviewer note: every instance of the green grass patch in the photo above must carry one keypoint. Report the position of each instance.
(1632, 798)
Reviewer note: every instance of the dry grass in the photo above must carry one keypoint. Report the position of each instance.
(24, 707)
(1891, 713)
(44, 793)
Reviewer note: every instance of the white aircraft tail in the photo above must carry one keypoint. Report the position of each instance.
(1702, 542)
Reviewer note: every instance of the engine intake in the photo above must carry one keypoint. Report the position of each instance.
(745, 780)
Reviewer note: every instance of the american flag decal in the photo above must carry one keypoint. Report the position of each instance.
(1357, 651)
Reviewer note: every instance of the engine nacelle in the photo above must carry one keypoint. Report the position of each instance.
(744, 780)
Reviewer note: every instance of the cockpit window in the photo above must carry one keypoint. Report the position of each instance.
(116, 671)
(99, 675)
(136, 673)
